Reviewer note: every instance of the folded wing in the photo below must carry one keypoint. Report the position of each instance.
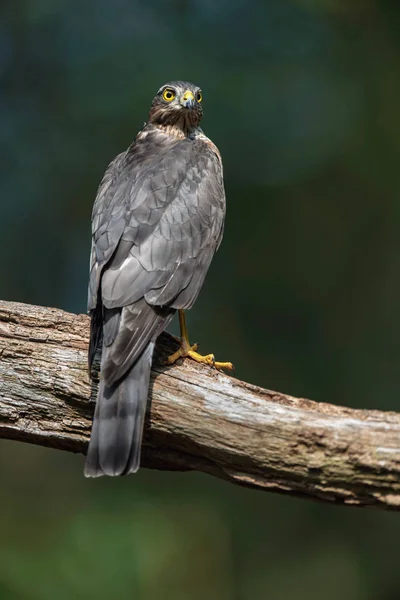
(156, 227)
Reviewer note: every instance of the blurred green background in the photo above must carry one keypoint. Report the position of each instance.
(302, 98)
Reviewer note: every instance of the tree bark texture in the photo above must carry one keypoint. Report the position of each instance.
(197, 418)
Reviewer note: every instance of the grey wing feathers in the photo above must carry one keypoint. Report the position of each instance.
(156, 226)
(155, 231)
(127, 335)
(173, 228)
(107, 225)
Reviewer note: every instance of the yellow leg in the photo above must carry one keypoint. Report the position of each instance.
(187, 351)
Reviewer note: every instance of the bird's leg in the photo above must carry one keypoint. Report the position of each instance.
(187, 351)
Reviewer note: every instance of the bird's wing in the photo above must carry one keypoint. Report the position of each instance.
(153, 242)
(173, 227)
(108, 223)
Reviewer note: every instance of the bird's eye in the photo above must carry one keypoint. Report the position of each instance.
(168, 95)
(199, 96)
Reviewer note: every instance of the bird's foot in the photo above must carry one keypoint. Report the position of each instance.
(187, 351)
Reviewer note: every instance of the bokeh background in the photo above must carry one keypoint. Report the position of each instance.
(302, 97)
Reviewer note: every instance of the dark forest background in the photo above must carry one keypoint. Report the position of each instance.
(302, 98)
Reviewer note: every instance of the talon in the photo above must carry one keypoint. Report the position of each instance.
(173, 357)
(224, 365)
(207, 359)
(187, 351)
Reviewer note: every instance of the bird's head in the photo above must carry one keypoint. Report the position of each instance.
(177, 104)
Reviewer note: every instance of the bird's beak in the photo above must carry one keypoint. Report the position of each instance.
(187, 100)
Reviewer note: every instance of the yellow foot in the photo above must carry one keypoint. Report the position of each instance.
(187, 351)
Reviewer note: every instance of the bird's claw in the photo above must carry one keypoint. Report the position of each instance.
(224, 365)
(187, 351)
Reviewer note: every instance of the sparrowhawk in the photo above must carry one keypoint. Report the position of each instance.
(157, 221)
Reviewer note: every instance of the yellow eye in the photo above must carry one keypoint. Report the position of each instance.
(199, 96)
(168, 95)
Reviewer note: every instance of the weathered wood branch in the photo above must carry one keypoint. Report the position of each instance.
(197, 418)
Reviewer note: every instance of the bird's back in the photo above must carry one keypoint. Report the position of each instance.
(156, 224)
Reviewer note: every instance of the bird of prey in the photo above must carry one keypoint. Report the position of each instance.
(157, 221)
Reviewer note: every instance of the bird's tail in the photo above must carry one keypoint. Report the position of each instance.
(114, 447)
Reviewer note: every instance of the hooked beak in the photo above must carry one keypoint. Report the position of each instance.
(187, 100)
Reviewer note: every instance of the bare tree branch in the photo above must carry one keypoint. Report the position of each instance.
(197, 418)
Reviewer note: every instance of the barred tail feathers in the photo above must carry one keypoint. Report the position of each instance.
(116, 438)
